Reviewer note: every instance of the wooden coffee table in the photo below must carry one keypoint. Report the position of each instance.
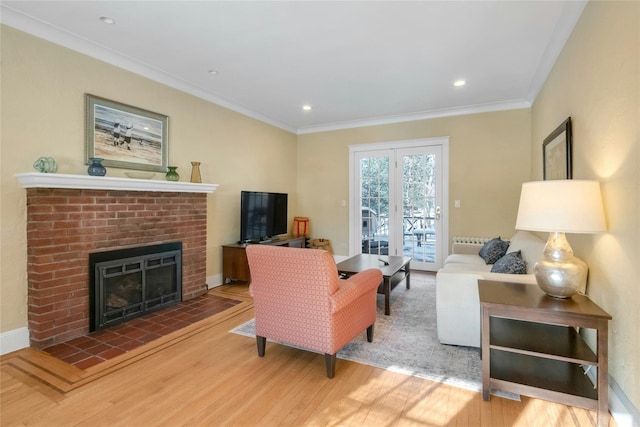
(393, 268)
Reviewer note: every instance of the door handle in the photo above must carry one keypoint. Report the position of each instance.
(437, 212)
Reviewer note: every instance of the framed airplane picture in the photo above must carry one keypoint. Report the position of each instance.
(125, 136)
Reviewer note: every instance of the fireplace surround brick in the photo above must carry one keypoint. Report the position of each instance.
(65, 225)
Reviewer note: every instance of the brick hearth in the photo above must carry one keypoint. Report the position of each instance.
(65, 225)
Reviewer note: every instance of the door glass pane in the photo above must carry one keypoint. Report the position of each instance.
(419, 206)
(374, 205)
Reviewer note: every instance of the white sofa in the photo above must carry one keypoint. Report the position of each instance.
(457, 301)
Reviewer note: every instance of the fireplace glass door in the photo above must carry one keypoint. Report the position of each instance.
(130, 285)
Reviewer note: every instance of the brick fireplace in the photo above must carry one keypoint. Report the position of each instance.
(65, 225)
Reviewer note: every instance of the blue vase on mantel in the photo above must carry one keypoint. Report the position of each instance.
(96, 168)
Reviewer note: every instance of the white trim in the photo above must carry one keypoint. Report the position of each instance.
(13, 340)
(443, 141)
(563, 30)
(57, 180)
(424, 115)
(445, 199)
(619, 412)
(620, 406)
(214, 281)
(352, 211)
(46, 31)
(403, 143)
(18, 339)
(71, 41)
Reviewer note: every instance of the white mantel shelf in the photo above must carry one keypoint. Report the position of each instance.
(88, 182)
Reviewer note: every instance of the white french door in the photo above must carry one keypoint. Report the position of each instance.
(398, 199)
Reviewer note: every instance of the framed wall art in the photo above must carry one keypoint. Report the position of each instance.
(125, 136)
(556, 153)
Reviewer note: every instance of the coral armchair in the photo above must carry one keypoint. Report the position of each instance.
(300, 300)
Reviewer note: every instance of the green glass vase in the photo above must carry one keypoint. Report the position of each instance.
(172, 175)
(46, 165)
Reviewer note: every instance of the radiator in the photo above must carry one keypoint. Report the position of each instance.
(472, 240)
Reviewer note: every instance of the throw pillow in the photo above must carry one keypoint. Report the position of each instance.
(493, 250)
(531, 246)
(511, 263)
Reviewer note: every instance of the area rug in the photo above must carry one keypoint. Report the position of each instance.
(407, 341)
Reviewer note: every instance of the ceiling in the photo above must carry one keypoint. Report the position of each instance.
(355, 63)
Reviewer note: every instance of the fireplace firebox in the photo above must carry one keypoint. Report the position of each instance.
(127, 283)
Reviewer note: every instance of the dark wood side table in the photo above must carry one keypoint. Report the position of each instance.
(530, 346)
(235, 267)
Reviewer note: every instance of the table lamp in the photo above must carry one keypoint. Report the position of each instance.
(559, 207)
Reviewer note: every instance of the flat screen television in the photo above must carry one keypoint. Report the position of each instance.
(262, 215)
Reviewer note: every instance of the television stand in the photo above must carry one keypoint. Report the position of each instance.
(235, 267)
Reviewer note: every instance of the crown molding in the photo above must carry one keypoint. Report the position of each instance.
(424, 115)
(53, 34)
(46, 31)
(571, 14)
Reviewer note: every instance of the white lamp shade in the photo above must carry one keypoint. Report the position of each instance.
(568, 206)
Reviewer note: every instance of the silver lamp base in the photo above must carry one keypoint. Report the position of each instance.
(559, 273)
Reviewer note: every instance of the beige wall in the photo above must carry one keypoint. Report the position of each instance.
(596, 81)
(489, 157)
(42, 113)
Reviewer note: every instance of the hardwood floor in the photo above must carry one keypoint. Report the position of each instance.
(210, 377)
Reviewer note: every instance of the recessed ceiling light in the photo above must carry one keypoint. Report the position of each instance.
(306, 107)
(213, 72)
(107, 20)
(459, 83)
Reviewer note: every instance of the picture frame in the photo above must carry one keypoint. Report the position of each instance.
(125, 136)
(556, 153)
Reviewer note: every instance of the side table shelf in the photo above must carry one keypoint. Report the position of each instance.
(530, 346)
(541, 356)
(540, 339)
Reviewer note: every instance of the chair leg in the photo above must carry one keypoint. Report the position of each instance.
(330, 362)
(262, 342)
(370, 333)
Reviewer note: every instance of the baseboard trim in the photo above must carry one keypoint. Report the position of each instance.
(621, 408)
(215, 280)
(13, 340)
